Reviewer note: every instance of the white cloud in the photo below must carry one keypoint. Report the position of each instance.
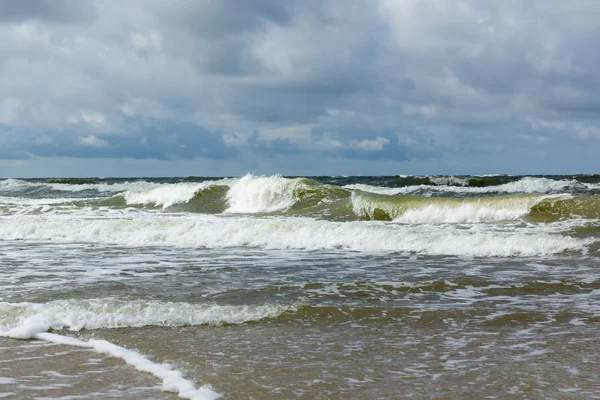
(537, 139)
(376, 144)
(425, 111)
(144, 107)
(575, 129)
(93, 141)
(94, 118)
(328, 144)
(148, 41)
(44, 139)
(10, 109)
(422, 26)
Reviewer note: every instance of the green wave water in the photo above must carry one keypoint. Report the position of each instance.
(420, 200)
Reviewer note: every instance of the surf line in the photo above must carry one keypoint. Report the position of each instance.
(172, 380)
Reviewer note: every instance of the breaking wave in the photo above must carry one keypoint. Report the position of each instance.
(264, 194)
(416, 209)
(291, 233)
(276, 195)
(165, 195)
(524, 185)
(22, 320)
(531, 199)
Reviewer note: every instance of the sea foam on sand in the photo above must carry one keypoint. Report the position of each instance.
(34, 320)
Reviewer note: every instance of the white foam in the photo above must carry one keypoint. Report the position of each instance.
(256, 194)
(15, 185)
(449, 180)
(38, 202)
(249, 194)
(291, 233)
(12, 184)
(464, 213)
(172, 380)
(524, 185)
(384, 190)
(449, 210)
(165, 195)
(33, 320)
(20, 205)
(534, 185)
(25, 319)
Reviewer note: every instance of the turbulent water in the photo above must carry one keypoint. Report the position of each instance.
(274, 287)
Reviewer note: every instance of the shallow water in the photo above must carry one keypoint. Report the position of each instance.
(283, 297)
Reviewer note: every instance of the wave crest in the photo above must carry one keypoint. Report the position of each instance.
(292, 233)
(165, 195)
(263, 194)
(23, 320)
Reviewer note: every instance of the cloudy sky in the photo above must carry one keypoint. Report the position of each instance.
(301, 87)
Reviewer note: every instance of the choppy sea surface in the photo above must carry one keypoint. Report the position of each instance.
(271, 287)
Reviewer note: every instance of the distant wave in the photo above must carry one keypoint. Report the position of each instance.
(534, 199)
(524, 185)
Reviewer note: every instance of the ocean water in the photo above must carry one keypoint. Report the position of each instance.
(271, 287)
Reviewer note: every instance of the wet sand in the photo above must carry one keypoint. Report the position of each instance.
(32, 369)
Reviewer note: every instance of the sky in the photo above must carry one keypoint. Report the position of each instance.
(298, 87)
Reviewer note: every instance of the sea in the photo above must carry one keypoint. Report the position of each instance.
(274, 287)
